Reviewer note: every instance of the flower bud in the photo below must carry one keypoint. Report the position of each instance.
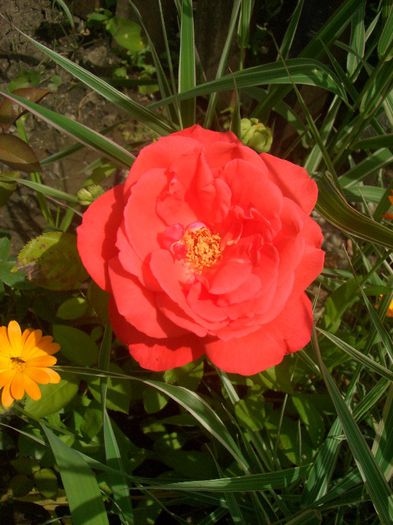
(255, 135)
(89, 194)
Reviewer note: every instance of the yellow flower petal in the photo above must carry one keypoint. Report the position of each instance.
(42, 361)
(48, 345)
(54, 376)
(32, 340)
(7, 376)
(39, 375)
(31, 388)
(4, 342)
(17, 386)
(6, 398)
(15, 338)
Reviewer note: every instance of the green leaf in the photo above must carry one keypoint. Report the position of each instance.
(250, 413)
(188, 376)
(204, 414)
(333, 206)
(249, 483)
(46, 482)
(76, 345)
(359, 356)
(10, 111)
(310, 416)
(379, 141)
(17, 154)
(378, 86)
(225, 53)
(78, 131)
(118, 482)
(153, 401)
(126, 33)
(357, 40)
(137, 111)
(375, 482)
(385, 43)
(296, 71)
(118, 395)
(187, 62)
(51, 260)
(6, 178)
(83, 493)
(374, 162)
(7, 187)
(54, 397)
(72, 308)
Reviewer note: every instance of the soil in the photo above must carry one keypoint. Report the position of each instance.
(20, 218)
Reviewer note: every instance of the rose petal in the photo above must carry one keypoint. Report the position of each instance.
(293, 181)
(97, 234)
(142, 224)
(229, 276)
(251, 188)
(159, 154)
(247, 355)
(294, 324)
(163, 269)
(206, 136)
(137, 304)
(169, 354)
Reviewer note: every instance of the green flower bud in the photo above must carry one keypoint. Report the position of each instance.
(255, 135)
(89, 194)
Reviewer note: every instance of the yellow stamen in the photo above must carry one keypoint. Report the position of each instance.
(203, 248)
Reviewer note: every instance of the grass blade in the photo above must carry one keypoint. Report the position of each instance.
(204, 414)
(42, 188)
(187, 77)
(137, 111)
(117, 481)
(357, 40)
(355, 354)
(374, 480)
(250, 483)
(377, 160)
(296, 70)
(211, 108)
(78, 131)
(333, 206)
(80, 484)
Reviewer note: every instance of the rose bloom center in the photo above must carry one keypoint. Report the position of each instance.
(203, 248)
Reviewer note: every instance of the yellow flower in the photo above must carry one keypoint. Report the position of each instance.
(25, 359)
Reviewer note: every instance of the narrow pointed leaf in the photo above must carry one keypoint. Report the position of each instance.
(187, 62)
(137, 111)
(333, 206)
(204, 414)
(80, 484)
(78, 131)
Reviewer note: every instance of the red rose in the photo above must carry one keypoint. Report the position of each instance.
(207, 248)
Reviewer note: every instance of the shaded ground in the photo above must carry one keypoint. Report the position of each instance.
(21, 217)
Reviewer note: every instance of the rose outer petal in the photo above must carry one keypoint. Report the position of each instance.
(154, 354)
(265, 348)
(293, 181)
(171, 354)
(96, 236)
